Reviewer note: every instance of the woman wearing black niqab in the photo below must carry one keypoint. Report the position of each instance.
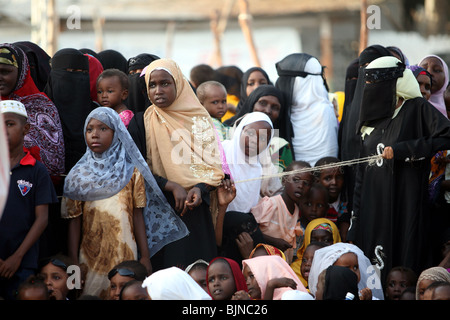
(391, 219)
(68, 87)
(348, 137)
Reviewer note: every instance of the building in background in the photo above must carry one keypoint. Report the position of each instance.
(181, 29)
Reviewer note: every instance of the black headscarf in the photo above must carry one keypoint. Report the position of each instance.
(351, 78)
(137, 92)
(243, 89)
(338, 282)
(39, 62)
(91, 52)
(261, 91)
(112, 59)
(70, 92)
(288, 69)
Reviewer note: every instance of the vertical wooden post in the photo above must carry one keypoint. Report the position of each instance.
(219, 20)
(97, 23)
(170, 31)
(217, 54)
(363, 32)
(326, 47)
(52, 28)
(245, 21)
(45, 25)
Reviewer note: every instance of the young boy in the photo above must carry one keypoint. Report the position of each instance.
(213, 96)
(314, 205)
(112, 91)
(333, 180)
(25, 215)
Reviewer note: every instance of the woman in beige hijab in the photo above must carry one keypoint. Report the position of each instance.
(178, 141)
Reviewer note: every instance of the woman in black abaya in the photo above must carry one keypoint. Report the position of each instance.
(68, 87)
(348, 137)
(391, 222)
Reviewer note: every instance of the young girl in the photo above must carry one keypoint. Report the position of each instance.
(122, 273)
(197, 270)
(243, 152)
(278, 215)
(224, 278)
(307, 259)
(104, 197)
(54, 272)
(427, 277)
(251, 79)
(350, 256)
(112, 91)
(268, 277)
(321, 230)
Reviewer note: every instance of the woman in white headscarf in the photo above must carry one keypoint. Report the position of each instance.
(311, 114)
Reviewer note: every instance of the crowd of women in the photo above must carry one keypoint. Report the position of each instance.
(255, 188)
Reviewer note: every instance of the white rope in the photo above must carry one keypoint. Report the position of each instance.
(371, 160)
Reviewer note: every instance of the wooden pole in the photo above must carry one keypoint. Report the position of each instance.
(245, 22)
(52, 28)
(217, 55)
(98, 22)
(363, 33)
(45, 25)
(170, 34)
(326, 47)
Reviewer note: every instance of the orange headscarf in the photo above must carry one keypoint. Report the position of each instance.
(181, 142)
(271, 251)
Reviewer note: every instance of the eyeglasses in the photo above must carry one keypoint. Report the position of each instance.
(123, 272)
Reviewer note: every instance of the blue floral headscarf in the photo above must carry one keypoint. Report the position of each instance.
(100, 176)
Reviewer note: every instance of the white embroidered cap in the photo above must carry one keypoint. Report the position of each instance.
(13, 106)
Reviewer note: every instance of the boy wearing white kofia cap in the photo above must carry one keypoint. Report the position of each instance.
(25, 214)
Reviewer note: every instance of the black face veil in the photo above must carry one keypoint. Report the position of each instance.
(379, 96)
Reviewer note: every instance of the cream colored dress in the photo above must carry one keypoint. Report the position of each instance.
(107, 236)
